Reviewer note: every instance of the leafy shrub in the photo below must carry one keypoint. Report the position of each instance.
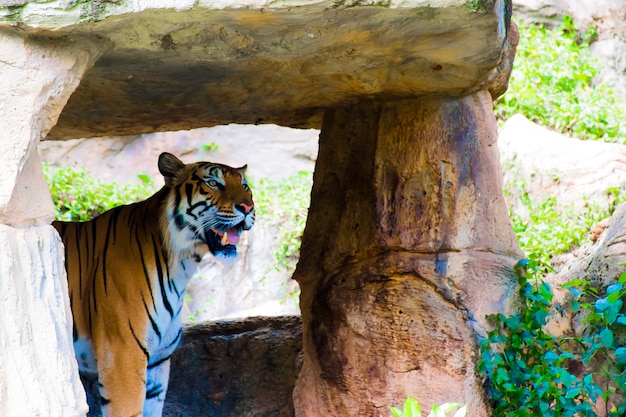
(285, 205)
(77, 196)
(552, 84)
(548, 228)
(411, 408)
(530, 369)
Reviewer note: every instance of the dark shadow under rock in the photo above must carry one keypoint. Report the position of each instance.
(240, 368)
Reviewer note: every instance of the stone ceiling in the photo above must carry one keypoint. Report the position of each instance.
(168, 65)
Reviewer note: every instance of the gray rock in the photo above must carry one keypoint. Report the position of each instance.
(236, 369)
(551, 164)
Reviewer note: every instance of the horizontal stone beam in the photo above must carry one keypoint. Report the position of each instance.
(171, 65)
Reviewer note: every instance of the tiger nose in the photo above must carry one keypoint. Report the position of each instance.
(245, 207)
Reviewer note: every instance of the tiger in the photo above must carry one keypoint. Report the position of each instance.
(127, 272)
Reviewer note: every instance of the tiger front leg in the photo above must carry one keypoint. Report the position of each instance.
(156, 388)
(122, 379)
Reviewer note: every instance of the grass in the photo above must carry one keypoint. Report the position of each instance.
(285, 205)
(554, 84)
(545, 228)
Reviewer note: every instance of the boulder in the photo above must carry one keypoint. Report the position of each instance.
(236, 369)
(574, 171)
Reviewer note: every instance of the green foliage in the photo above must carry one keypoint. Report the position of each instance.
(552, 84)
(530, 369)
(78, 197)
(548, 228)
(412, 408)
(285, 205)
(211, 147)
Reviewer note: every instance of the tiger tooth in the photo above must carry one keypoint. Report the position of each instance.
(225, 239)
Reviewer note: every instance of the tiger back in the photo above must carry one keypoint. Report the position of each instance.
(128, 270)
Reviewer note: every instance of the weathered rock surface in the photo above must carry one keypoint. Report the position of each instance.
(407, 247)
(173, 65)
(551, 164)
(38, 374)
(237, 369)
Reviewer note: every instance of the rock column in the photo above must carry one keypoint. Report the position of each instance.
(407, 247)
(38, 372)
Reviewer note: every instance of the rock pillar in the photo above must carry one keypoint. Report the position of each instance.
(407, 247)
(38, 372)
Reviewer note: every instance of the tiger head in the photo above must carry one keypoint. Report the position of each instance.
(208, 204)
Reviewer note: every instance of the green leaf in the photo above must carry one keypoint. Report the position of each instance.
(550, 357)
(436, 412)
(572, 393)
(602, 304)
(396, 412)
(513, 322)
(606, 337)
(610, 315)
(412, 406)
(614, 288)
(620, 355)
(546, 291)
(445, 408)
(540, 317)
(461, 412)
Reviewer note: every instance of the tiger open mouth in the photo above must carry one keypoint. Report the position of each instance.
(222, 242)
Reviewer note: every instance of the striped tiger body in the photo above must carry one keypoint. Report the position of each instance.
(128, 270)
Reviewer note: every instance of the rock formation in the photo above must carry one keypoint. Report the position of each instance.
(583, 174)
(408, 244)
(407, 247)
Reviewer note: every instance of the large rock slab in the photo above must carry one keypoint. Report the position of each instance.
(171, 65)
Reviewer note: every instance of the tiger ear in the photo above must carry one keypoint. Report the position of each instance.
(243, 168)
(169, 167)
